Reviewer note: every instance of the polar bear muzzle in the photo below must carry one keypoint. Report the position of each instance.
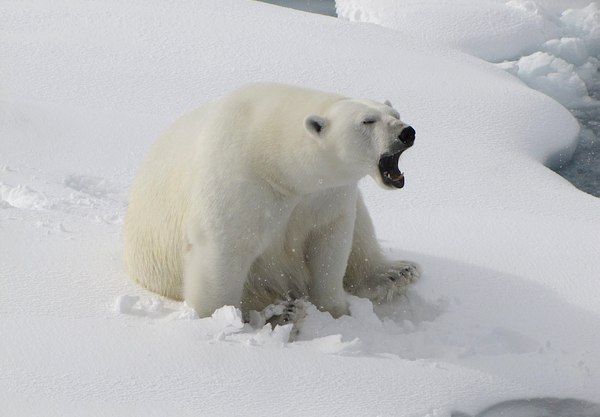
(388, 168)
(388, 162)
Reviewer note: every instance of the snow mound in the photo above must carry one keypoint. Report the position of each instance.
(551, 46)
(488, 29)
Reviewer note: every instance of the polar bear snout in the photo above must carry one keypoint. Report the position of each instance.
(407, 136)
(402, 142)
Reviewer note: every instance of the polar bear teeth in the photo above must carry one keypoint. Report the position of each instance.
(390, 174)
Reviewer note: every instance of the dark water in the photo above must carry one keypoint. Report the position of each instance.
(326, 7)
(583, 170)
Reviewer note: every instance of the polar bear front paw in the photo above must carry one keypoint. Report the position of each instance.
(287, 312)
(391, 280)
(403, 273)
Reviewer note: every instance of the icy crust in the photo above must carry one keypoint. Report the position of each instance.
(21, 196)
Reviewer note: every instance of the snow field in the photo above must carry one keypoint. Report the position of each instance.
(507, 307)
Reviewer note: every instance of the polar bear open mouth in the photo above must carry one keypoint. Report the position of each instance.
(388, 167)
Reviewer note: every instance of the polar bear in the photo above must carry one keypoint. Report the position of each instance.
(253, 200)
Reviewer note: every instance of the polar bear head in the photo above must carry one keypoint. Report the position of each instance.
(363, 137)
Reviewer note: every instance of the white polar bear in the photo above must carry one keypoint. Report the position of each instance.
(253, 200)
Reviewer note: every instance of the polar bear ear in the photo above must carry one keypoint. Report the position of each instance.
(388, 103)
(314, 125)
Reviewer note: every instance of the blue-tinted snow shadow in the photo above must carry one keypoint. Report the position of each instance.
(539, 407)
(467, 315)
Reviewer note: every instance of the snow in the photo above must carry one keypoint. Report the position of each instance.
(488, 29)
(507, 306)
(568, 66)
(552, 46)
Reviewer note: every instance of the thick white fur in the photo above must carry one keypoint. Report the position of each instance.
(253, 199)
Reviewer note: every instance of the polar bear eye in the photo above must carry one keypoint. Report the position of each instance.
(368, 121)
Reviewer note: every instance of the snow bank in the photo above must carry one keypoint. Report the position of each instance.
(507, 307)
(550, 45)
(488, 29)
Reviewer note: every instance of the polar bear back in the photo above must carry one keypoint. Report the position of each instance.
(264, 114)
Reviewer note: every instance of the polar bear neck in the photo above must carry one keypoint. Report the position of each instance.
(293, 164)
(306, 170)
(270, 118)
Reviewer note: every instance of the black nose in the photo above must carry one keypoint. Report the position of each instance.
(407, 136)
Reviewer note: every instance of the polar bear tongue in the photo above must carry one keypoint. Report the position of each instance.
(390, 174)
